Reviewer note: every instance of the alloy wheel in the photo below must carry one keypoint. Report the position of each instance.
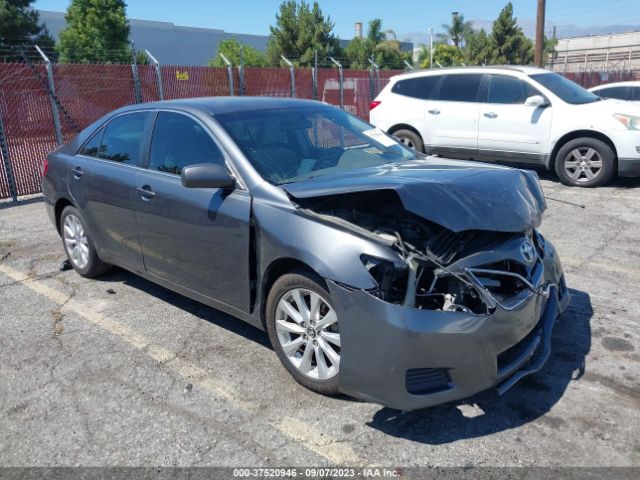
(583, 164)
(407, 142)
(75, 241)
(307, 329)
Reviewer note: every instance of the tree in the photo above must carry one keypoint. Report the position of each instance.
(511, 44)
(447, 55)
(479, 48)
(231, 49)
(458, 30)
(386, 53)
(20, 26)
(97, 31)
(299, 32)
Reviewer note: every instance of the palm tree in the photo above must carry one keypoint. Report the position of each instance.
(458, 30)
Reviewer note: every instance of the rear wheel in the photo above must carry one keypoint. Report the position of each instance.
(410, 139)
(303, 329)
(585, 162)
(78, 244)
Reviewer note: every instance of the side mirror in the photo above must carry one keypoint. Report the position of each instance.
(536, 101)
(206, 175)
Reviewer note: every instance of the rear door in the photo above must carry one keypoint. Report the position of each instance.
(451, 117)
(509, 130)
(101, 182)
(195, 237)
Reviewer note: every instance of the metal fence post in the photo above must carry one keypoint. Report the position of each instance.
(241, 74)
(156, 64)
(292, 75)
(52, 97)
(341, 79)
(314, 75)
(374, 78)
(4, 148)
(137, 88)
(229, 73)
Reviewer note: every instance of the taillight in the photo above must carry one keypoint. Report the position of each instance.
(374, 104)
(45, 167)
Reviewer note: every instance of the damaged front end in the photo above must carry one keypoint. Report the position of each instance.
(460, 311)
(440, 269)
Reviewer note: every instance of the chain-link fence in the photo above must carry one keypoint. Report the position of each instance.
(42, 104)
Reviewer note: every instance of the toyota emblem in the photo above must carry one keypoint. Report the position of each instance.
(527, 251)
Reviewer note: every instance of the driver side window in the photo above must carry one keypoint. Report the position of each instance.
(509, 90)
(179, 141)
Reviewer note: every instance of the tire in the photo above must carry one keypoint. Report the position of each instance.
(410, 139)
(323, 368)
(580, 157)
(78, 245)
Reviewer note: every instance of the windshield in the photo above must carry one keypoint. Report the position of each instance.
(564, 88)
(290, 144)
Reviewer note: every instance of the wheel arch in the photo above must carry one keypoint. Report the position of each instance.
(567, 137)
(59, 206)
(276, 269)
(404, 126)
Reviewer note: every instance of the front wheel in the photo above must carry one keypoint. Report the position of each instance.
(585, 162)
(303, 329)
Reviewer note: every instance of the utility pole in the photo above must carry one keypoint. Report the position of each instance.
(540, 34)
(430, 47)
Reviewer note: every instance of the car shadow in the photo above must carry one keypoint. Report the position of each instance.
(487, 412)
(193, 307)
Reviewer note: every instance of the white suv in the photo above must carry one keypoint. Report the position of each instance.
(521, 115)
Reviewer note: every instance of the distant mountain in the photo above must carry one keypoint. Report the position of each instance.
(529, 27)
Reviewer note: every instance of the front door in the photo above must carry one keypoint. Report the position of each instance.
(510, 130)
(195, 237)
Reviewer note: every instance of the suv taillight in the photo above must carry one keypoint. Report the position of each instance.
(374, 104)
(45, 167)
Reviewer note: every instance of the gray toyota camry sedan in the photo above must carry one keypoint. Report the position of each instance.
(377, 272)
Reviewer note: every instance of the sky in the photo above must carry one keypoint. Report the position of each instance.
(408, 18)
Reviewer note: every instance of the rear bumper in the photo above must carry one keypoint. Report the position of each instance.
(407, 358)
(629, 167)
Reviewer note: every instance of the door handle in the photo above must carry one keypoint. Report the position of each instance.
(77, 173)
(491, 115)
(434, 111)
(145, 192)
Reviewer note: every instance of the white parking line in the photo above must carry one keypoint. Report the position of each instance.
(330, 448)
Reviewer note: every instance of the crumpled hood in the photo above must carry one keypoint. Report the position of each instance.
(457, 195)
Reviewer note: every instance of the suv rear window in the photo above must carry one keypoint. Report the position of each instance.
(460, 87)
(420, 87)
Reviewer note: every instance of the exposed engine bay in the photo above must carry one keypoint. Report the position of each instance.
(432, 276)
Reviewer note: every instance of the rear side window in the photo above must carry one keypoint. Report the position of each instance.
(420, 87)
(621, 93)
(92, 147)
(509, 90)
(122, 137)
(635, 95)
(460, 88)
(179, 141)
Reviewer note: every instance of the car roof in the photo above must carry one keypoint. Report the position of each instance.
(630, 83)
(220, 105)
(525, 69)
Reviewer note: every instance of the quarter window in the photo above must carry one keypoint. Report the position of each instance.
(92, 147)
(122, 138)
(179, 141)
(420, 87)
(460, 88)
